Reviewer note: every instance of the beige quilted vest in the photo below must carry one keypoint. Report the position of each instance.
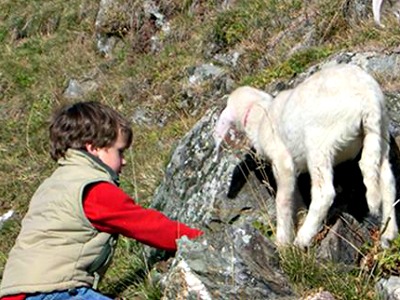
(57, 247)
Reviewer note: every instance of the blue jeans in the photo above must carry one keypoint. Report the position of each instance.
(82, 293)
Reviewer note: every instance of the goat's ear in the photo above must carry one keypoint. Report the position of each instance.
(224, 123)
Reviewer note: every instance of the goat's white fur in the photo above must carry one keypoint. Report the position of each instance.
(376, 10)
(325, 120)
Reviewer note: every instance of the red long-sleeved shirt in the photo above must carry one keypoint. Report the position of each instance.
(111, 210)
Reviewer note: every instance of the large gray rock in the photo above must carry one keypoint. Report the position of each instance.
(235, 262)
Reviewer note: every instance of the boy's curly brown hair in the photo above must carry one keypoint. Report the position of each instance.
(76, 125)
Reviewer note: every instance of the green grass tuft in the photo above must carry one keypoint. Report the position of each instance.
(308, 274)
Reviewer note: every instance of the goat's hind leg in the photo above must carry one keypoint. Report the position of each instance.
(388, 190)
(379, 182)
(370, 164)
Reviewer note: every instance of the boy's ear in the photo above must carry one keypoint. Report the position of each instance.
(91, 149)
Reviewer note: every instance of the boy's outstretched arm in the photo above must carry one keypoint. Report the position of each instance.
(111, 210)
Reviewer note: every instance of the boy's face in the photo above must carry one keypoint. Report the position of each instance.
(112, 156)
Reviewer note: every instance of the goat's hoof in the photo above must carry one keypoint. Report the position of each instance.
(300, 244)
(388, 236)
(385, 243)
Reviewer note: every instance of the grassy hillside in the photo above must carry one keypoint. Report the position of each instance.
(44, 44)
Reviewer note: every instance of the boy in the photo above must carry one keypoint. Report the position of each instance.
(69, 232)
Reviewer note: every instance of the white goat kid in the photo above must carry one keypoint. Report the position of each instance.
(376, 10)
(325, 120)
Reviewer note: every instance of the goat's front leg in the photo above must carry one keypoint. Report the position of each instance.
(322, 196)
(285, 178)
